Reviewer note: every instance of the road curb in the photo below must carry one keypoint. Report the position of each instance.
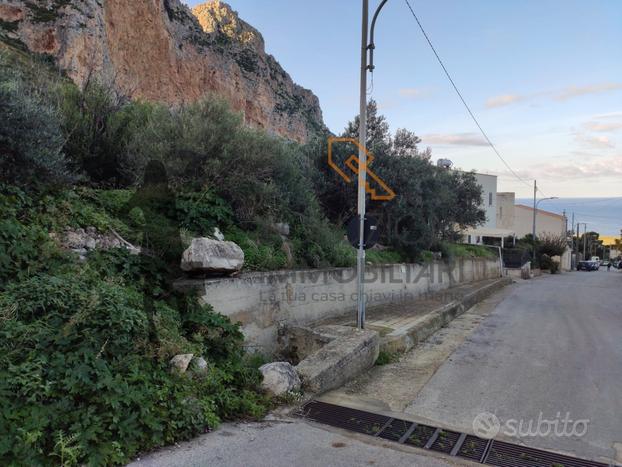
(403, 339)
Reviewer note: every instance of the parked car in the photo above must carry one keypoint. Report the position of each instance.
(588, 266)
(605, 263)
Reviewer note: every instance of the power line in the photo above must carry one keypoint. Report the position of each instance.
(468, 108)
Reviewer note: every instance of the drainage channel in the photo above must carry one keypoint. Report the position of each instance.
(473, 448)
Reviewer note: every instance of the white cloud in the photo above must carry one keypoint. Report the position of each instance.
(575, 169)
(506, 99)
(605, 123)
(576, 91)
(455, 139)
(560, 95)
(414, 93)
(603, 127)
(599, 141)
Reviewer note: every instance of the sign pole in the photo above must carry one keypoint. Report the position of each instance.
(362, 175)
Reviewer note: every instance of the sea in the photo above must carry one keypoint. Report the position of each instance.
(602, 215)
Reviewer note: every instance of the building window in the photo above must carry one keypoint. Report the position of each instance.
(490, 199)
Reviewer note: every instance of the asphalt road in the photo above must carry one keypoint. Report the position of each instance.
(551, 350)
(285, 444)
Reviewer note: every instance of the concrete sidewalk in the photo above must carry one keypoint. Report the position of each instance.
(392, 388)
(402, 326)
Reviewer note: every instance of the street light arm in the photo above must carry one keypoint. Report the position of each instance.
(372, 44)
(545, 199)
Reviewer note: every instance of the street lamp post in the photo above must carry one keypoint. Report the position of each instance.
(360, 258)
(535, 211)
(367, 47)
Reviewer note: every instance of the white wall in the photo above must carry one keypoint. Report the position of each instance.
(505, 210)
(263, 301)
(547, 223)
(489, 198)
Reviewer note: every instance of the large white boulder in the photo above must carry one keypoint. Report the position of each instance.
(279, 378)
(206, 255)
(179, 363)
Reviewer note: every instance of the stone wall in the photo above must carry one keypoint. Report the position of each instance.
(263, 302)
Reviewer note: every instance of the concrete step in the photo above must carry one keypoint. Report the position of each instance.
(348, 353)
(400, 336)
(332, 354)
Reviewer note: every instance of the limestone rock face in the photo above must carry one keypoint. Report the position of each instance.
(279, 378)
(206, 255)
(160, 50)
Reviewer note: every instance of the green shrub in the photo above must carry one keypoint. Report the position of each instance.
(547, 263)
(384, 257)
(31, 138)
(386, 358)
(552, 245)
(318, 244)
(454, 250)
(25, 246)
(84, 374)
(426, 256)
(200, 213)
(97, 122)
(77, 364)
(261, 252)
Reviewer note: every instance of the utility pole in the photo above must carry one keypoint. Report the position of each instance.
(578, 236)
(533, 232)
(572, 233)
(535, 211)
(572, 255)
(367, 46)
(360, 259)
(579, 224)
(566, 227)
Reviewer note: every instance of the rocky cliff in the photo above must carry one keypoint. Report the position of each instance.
(161, 50)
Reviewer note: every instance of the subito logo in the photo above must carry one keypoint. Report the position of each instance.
(486, 425)
(375, 186)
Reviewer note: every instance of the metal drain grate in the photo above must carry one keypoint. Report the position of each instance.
(490, 452)
(445, 441)
(395, 430)
(511, 455)
(343, 417)
(473, 448)
(420, 436)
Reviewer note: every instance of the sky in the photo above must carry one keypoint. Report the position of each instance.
(544, 78)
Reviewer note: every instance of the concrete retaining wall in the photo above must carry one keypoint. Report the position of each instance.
(263, 302)
(523, 272)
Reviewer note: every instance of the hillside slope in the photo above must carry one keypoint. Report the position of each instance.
(162, 51)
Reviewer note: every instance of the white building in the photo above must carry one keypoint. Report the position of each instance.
(490, 232)
(505, 210)
(489, 198)
(547, 223)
